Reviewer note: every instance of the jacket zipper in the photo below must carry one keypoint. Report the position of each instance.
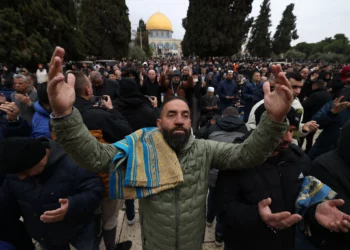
(177, 216)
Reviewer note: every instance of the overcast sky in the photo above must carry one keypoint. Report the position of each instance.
(315, 19)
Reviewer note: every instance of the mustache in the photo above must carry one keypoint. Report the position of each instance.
(178, 128)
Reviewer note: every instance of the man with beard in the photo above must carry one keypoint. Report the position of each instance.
(250, 201)
(173, 86)
(175, 218)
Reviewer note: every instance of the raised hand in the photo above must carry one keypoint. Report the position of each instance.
(330, 217)
(311, 126)
(61, 94)
(280, 220)
(278, 102)
(11, 110)
(339, 106)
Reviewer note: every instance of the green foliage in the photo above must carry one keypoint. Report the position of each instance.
(259, 43)
(329, 49)
(285, 32)
(294, 54)
(213, 30)
(136, 52)
(106, 26)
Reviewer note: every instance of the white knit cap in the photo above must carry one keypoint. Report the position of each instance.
(211, 89)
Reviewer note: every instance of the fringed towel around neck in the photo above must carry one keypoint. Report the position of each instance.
(151, 166)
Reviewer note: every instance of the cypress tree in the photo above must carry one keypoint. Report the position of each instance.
(214, 29)
(106, 27)
(259, 43)
(286, 31)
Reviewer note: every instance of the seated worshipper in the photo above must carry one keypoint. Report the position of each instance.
(107, 125)
(210, 106)
(56, 197)
(333, 169)
(258, 206)
(163, 165)
(41, 118)
(10, 123)
(103, 86)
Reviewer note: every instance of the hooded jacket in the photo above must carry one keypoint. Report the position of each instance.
(40, 122)
(61, 178)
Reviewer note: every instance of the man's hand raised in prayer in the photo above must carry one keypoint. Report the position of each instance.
(278, 102)
(280, 220)
(328, 216)
(61, 94)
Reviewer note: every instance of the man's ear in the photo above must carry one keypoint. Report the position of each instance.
(87, 90)
(158, 123)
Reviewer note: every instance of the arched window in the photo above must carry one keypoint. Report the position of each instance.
(153, 45)
(167, 45)
(174, 46)
(160, 46)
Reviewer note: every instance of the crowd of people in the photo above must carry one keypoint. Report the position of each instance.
(258, 147)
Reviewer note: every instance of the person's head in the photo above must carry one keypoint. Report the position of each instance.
(83, 86)
(214, 119)
(21, 83)
(230, 111)
(327, 75)
(175, 122)
(186, 71)
(84, 65)
(128, 87)
(229, 75)
(112, 77)
(176, 76)
(203, 70)
(33, 158)
(152, 75)
(296, 81)
(215, 69)
(118, 75)
(256, 77)
(264, 71)
(345, 75)
(211, 91)
(304, 73)
(108, 67)
(96, 78)
(40, 66)
(263, 79)
(43, 97)
(318, 84)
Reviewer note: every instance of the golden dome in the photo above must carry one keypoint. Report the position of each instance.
(159, 21)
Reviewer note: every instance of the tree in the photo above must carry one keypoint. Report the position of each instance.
(144, 34)
(136, 52)
(259, 43)
(106, 26)
(294, 54)
(286, 31)
(213, 29)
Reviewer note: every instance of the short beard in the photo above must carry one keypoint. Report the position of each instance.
(176, 141)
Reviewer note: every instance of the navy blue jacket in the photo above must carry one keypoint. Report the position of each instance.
(331, 125)
(7, 92)
(227, 88)
(248, 91)
(61, 178)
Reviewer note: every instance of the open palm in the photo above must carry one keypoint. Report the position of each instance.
(278, 102)
(61, 94)
(330, 217)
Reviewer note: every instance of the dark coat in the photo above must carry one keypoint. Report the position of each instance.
(333, 171)
(227, 88)
(315, 102)
(61, 178)
(152, 89)
(239, 192)
(209, 102)
(138, 111)
(248, 91)
(108, 87)
(112, 124)
(12, 129)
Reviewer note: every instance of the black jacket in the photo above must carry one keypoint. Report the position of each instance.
(334, 171)
(61, 178)
(151, 89)
(112, 124)
(239, 192)
(315, 102)
(138, 111)
(108, 87)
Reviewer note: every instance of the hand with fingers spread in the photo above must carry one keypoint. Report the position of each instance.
(280, 220)
(339, 106)
(11, 110)
(2, 98)
(330, 217)
(278, 102)
(61, 94)
(56, 215)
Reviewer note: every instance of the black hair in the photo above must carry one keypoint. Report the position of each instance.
(230, 111)
(80, 82)
(295, 75)
(170, 99)
(319, 83)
